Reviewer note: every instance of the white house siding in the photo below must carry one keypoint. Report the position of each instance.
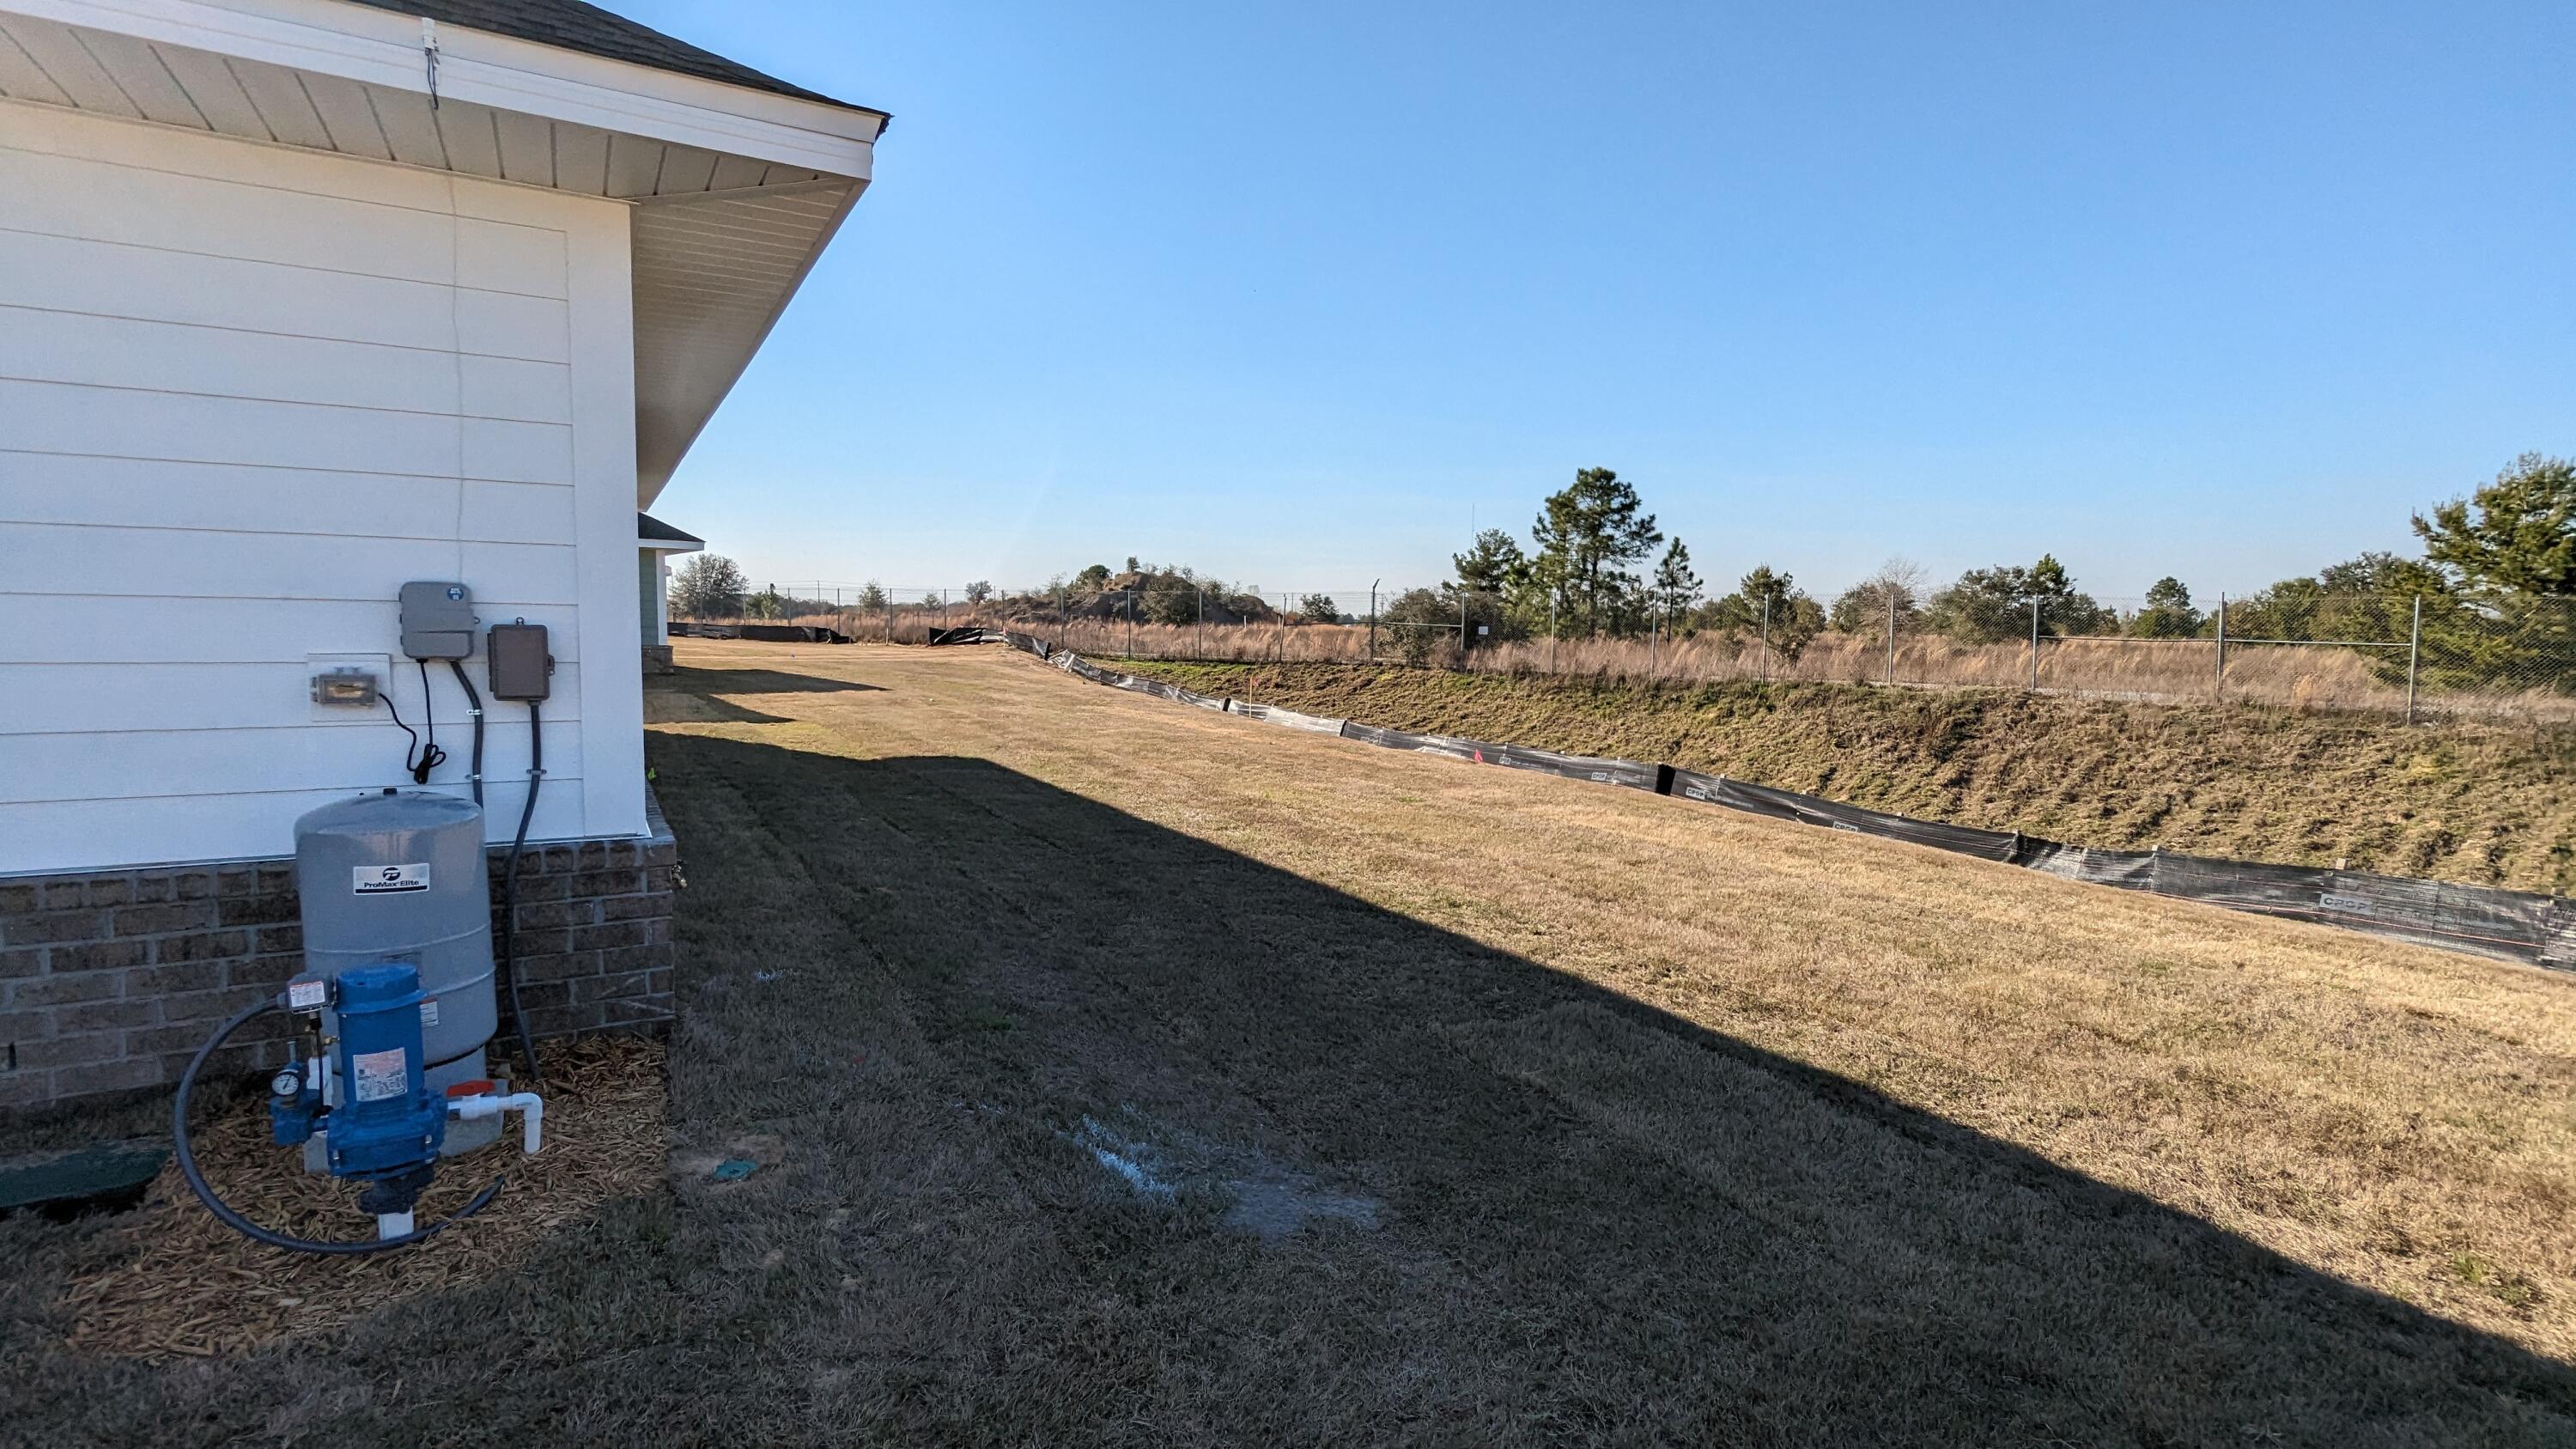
(246, 392)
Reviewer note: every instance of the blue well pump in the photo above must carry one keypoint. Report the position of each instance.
(385, 1073)
(387, 1128)
(366, 1093)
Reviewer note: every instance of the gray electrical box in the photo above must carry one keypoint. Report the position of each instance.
(437, 620)
(517, 657)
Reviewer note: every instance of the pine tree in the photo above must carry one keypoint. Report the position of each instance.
(1676, 587)
(2516, 535)
(1586, 536)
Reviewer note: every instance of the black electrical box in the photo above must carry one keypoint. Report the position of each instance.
(519, 661)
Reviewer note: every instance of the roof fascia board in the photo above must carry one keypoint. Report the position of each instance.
(380, 47)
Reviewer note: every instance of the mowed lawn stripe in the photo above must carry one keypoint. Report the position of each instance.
(2120, 1034)
(1668, 1106)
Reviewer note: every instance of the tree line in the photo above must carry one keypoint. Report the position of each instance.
(2491, 597)
(711, 586)
(1598, 565)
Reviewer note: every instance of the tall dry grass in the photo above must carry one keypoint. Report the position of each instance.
(2170, 671)
(2160, 671)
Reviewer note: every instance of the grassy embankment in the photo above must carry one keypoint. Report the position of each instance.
(2489, 804)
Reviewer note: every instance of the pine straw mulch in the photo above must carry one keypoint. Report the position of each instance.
(180, 1284)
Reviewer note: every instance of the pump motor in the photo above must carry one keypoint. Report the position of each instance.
(388, 1126)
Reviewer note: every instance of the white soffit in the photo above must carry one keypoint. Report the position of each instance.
(711, 275)
(736, 191)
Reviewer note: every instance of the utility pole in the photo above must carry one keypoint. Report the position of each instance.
(1551, 631)
(1373, 583)
(1201, 646)
(1891, 633)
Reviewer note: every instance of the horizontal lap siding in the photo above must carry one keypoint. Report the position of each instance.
(115, 279)
(245, 563)
(121, 698)
(250, 393)
(210, 827)
(68, 488)
(72, 629)
(163, 763)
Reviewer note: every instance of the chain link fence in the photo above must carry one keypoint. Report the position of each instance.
(2422, 656)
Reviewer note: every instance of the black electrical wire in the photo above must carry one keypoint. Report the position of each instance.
(183, 1151)
(432, 757)
(475, 701)
(417, 761)
(510, 890)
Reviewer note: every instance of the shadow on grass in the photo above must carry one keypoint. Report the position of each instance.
(1076, 1129)
(698, 678)
(691, 695)
(1593, 1219)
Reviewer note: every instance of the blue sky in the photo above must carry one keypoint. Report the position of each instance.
(1287, 293)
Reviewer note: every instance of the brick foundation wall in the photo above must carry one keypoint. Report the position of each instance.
(110, 980)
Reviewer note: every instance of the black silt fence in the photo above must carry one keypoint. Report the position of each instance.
(2523, 926)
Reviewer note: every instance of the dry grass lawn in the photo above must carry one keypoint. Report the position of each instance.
(1128, 1074)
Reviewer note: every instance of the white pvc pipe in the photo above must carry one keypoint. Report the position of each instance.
(530, 1107)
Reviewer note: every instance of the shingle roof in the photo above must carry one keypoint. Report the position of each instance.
(649, 527)
(573, 25)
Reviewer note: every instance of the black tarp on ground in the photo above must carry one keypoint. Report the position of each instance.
(1456, 749)
(2516, 925)
(1285, 718)
(790, 633)
(1026, 643)
(2132, 870)
(1580, 767)
(962, 634)
(1161, 690)
(1834, 815)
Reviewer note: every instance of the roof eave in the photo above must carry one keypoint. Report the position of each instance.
(382, 47)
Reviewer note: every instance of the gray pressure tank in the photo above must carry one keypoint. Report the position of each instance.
(399, 876)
